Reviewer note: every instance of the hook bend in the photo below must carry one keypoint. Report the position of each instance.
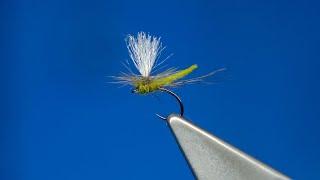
(176, 97)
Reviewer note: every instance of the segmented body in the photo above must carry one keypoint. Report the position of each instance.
(145, 85)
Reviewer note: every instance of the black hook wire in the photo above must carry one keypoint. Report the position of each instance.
(176, 97)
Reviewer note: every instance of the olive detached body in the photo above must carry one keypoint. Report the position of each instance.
(146, 85)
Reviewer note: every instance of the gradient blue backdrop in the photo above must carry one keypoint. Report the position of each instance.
(61, 119)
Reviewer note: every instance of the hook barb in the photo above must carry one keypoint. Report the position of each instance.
(176, 97)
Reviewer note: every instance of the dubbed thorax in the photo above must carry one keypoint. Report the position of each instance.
(144, 86)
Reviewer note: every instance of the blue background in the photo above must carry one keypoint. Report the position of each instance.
(60, 118)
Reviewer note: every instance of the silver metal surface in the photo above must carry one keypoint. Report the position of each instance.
(210, 158)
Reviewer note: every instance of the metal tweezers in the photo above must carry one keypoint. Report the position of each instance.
(211, 158)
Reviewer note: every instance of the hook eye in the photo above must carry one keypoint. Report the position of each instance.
(177, 98)
(133, 91)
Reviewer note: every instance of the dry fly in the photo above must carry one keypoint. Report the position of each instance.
(144, 51)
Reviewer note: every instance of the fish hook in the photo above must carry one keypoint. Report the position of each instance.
(176, 97)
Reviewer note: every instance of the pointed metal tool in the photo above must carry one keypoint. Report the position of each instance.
(210, 158)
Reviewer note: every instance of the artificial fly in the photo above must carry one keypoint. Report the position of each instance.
(144, 51)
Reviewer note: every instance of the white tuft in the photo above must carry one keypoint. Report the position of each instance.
(144, 51)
